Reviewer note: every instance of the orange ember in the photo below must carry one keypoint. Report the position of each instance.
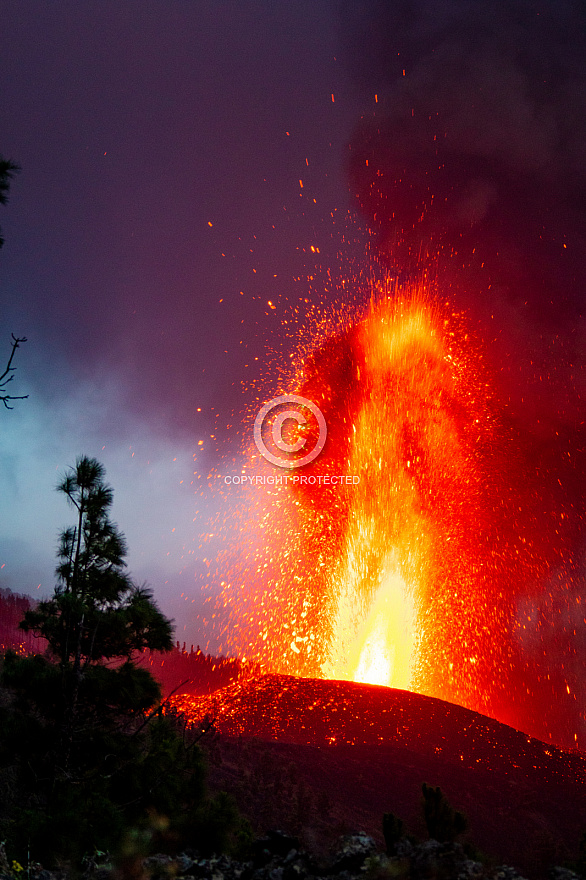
(378, 581)
(404, 572)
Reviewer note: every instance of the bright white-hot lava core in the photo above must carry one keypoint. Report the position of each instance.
(374, 646)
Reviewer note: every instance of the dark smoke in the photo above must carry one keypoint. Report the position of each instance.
(470, 167)
(474, 154)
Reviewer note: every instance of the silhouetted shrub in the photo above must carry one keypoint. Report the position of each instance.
(442, 821)
(393, 831)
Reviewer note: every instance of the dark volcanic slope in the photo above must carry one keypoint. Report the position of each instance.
(318, 712)
(318, 758)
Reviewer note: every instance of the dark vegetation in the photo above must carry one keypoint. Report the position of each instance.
(188, 671)
(393, 832)
(12, 610)
(443, 823)
(7, 171)
(88, 759)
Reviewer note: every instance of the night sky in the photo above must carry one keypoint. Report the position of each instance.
(158, 210)
(190, 173)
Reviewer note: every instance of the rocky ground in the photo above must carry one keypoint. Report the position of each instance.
(278, 856)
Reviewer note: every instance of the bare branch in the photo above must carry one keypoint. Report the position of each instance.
(8, 374)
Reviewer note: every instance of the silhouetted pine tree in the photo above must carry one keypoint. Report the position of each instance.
(84, 750)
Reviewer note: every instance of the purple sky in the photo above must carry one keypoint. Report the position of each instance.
(137, 125)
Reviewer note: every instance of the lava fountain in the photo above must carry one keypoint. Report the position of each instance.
(392, 576)
(411, 456)
(404, 586)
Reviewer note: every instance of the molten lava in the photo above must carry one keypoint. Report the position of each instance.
(412, 443)
(379, 650)
(372, 581)
(404, 574)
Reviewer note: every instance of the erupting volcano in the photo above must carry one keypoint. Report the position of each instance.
(397, 557)
(393, 558)
(436, 544)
